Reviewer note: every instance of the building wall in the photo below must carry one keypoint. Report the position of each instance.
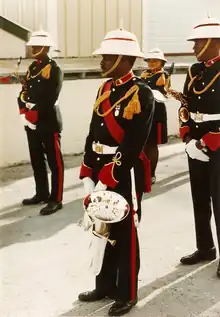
(84, 23)
(31, 14)
(76, 104)
(13, 47)
(78, 26)
(167, 23)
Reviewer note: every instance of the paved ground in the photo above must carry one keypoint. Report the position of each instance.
(44, 260)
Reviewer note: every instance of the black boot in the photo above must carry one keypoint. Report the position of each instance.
(91, 296)
(51, 208)
(120, 308)
(198, 257)
(35, 200)
(218, 270)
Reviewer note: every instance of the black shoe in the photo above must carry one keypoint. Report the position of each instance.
(120, 308)
(51, 208)
(218, 270)
(92, 296)
(35, 200)
(197, 257)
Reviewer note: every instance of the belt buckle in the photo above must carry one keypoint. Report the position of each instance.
(99, 149)
(199, 117)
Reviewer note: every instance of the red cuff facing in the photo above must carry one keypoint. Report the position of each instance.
(184, 131)
(212, 140)
(85, 171)
(106, 175)
(32, 116)
(22, 110)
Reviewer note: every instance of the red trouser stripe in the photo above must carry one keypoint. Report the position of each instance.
(60, 167)
(133, 258)
(159, 133)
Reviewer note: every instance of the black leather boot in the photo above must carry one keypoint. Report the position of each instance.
(120, 308)
(198, 257)
(51, 208)
(91, 296)
(35, 200)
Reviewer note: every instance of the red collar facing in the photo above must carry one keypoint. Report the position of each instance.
(124, 79)
(212, 61)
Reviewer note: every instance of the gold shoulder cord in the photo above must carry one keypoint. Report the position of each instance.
(106, 95)
(207, 87)
(145, 74)
(192, 79)
(45, 72)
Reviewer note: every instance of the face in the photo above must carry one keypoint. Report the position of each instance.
(41, 50)
(211, 51)
(154, 64)
(107, 62)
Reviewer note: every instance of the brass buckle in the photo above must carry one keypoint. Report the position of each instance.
(198, 117)
(99, 148)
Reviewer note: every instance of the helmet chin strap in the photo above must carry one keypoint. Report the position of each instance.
(39, 52)
(204, 48)
(117, 62)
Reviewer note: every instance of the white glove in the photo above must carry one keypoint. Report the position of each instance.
(22, 116)
(100, 186)
(89, 185)
(194, 152)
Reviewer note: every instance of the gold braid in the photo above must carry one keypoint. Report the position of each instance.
(207, 87)
(192, 79)
(147, 74)
(106, 95)
(45, 72)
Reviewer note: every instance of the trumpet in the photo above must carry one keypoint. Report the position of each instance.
(183, 110)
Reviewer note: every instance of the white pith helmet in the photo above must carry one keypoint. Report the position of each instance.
(40, 38)
(155, 53)
(207, 29)
(120, 42)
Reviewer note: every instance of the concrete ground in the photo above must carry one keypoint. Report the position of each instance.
(44, 260)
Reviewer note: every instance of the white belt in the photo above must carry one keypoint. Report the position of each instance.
(103, 149)
(203, 117)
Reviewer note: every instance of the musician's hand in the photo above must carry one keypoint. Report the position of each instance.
(24, 120)
(194, 152)
(187, 138)
(89, 185)
(100, 186)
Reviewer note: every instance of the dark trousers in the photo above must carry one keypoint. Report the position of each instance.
(121, 264)
(41, 144)
(205, 187)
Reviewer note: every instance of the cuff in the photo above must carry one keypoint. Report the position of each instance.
(22, 110)
(32, 116)
(85, 171)
(212, 140)
(183, 131)
(106, 175)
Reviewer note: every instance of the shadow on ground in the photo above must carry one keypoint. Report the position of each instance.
(27, 225)
(186, 292)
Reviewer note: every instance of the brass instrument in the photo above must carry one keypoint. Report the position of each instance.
(15, 74)
(183, 111)
(103, 208)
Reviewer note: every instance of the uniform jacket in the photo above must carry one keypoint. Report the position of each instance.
(40, 91)
(202, 92)
(126, 127)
